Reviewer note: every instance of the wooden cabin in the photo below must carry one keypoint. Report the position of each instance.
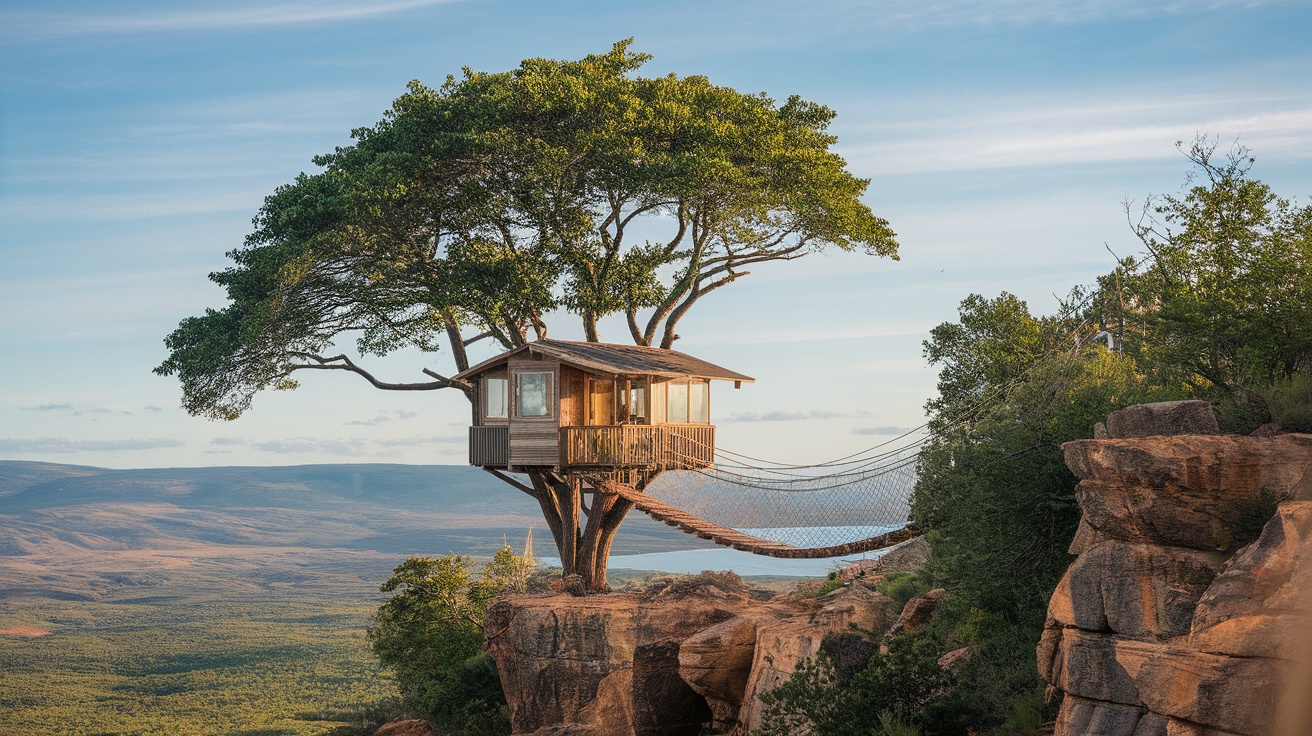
(587, 405)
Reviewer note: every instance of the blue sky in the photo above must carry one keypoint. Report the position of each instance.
(137, 140)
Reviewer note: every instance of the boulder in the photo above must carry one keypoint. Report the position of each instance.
(1133, 590)
(1183, 491)
(717, 662)
(1078, 715)
(1258, 607)
(1234, 694)
(918, 612)
(1162, 418)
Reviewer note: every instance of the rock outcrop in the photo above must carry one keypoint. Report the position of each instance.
(689, 658)
(1159, 627)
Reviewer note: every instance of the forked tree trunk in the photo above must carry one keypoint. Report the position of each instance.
(584, 547)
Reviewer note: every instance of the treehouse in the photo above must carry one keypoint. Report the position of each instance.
(597, 407)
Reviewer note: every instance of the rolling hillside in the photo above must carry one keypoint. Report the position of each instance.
(93, 533)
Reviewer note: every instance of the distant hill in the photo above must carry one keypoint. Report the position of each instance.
(82, 531)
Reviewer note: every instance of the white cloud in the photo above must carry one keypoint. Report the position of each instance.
(23, 26)
(66, 445)
(1026, 133)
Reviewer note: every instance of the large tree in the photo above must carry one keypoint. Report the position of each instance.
(486, 207)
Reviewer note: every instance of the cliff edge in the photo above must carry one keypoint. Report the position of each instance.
(1161, 628)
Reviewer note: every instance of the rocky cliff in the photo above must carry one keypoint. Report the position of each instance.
(1160, 627)
(686, 657)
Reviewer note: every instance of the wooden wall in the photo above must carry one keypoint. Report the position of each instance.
(573, 387)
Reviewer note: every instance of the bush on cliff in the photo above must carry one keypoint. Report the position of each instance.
(430, 633)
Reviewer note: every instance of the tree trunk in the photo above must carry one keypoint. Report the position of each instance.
(584, 549)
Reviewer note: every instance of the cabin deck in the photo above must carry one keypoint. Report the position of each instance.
(650, 446)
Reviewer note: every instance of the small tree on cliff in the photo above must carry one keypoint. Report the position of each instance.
(484, 208)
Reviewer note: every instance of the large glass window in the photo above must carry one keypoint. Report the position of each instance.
(533, 395)
(699, 403)
(496, 393)
(678, 402)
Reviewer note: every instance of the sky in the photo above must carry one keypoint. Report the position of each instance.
(1001, 138)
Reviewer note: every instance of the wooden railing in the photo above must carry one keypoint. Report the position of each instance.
(669, 446)
(489, 445)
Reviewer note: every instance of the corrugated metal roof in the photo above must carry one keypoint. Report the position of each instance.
(609, 358)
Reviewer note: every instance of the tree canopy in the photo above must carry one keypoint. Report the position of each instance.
(484, 207)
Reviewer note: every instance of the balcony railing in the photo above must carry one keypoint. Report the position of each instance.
(489, 445)
(668, 446)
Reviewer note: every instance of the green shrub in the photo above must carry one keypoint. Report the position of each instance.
(430, 633)
(1290, 402)
(901, 587)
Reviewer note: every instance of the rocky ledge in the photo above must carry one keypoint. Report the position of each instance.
(1161, 628)
(690, 656)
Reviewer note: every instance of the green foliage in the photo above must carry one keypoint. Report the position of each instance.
(901, 587)
(1289, 401)
(496, 198)
(893, 692)
(1223, 298)
(430, 634)
(285, 664)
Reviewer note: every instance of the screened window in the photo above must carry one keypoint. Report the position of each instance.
(688, 402)
(678, 403)
(496, 393)
(699, 403)
(533, 397)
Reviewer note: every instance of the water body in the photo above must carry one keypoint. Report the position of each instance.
(693, 561)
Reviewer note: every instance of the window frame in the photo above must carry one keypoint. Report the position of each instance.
(548, 399)
(485, 392)
(687, 384)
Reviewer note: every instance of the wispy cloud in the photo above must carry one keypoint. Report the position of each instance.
(23, 26)
(61, 445)
(74, 409)
(355, 446)
(792, 416)
(399, 414)
(1032, 133)
(938, 13)
(227, 441)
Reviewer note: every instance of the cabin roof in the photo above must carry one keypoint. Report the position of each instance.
(609, 358)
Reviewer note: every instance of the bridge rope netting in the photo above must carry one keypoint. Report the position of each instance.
(847, 506)
(855, 504)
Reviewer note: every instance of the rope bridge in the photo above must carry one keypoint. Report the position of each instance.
(844, 507)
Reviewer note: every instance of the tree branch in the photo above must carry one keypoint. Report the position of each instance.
(343, 363)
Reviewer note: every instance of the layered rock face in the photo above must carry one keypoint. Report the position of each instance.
(1158, 629)
(690, 658)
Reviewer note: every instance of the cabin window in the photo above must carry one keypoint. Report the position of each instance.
(638, 402)
(533, 395)
(699, 403)
(689, 402)
(496, 394)
(678, 406)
